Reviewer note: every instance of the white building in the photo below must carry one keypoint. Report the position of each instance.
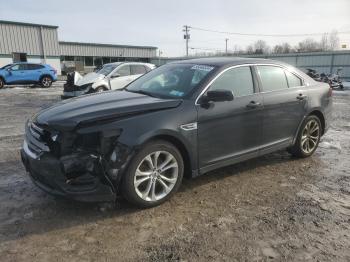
(27, 42)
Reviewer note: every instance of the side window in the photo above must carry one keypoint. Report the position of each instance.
(15, 68)
(293, 80)
(19, 67)
(272, 78)
(34, 67)
(238, 80)
(137, 69)
(124, 70)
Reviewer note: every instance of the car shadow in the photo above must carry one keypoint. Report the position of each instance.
(44, 213)
(267, 160)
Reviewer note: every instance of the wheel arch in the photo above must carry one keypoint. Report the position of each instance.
(3, 79)
(320, 116)
(180, 145)
(315, 112)
(43, 75)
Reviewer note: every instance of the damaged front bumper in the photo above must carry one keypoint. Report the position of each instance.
(78, 176)
(74, 91)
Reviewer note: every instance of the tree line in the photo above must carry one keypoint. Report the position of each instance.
(328, 42)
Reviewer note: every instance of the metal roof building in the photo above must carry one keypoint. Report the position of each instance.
(39, 43)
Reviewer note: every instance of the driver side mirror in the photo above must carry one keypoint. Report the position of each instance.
(115, 75)
(219, 95)
(9, 70)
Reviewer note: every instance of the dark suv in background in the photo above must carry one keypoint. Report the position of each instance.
(186, 117)
(27, 73)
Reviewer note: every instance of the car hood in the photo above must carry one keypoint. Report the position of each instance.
(68, 114)
(89, 78)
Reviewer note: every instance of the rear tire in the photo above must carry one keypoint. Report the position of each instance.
(308, 137)
(154, 174)
(2, 83)
(46, 81)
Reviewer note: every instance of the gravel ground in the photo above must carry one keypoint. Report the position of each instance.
(271, 208)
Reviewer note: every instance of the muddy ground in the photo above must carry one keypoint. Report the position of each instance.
(271, 208)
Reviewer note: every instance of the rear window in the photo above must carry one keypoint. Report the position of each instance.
(34, 67)
(272, 78)
(137, 69)
(293, 80)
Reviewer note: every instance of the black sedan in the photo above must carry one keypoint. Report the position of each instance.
(183, 118)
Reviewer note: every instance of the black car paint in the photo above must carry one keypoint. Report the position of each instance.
(121, 122)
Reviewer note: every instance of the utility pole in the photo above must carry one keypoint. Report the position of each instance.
(226, 39)
(186, 36)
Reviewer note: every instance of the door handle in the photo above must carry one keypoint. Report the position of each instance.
(301, 97)
(254, 104)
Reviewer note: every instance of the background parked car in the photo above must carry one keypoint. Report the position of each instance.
(27, 73)
(110, 77)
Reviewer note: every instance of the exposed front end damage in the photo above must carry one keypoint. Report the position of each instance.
(84, 165)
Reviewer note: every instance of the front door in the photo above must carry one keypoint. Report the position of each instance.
(16, 74)
(285, 104)
(121, 77)
(231, 129)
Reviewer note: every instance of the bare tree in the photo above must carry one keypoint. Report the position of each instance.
(261, 47)
(324, 43)
(250, 49)
(287, 48)
(308, 45)
(282, 48)
(277, 49)
(333, 40)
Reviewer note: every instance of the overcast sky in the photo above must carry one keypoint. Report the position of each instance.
(159, 22)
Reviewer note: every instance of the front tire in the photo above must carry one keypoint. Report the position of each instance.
(100, 89)
(46, 81)
(2, 83)
(308, 137)
(154, 174)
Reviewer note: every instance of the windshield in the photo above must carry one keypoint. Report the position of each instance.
(107, 69)
(6, 66)
(172, 80)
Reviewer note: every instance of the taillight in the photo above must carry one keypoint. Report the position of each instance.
(54, 71)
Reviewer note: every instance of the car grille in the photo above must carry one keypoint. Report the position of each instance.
(35, 139)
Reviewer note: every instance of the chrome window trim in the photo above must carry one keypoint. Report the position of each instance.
(254, 64)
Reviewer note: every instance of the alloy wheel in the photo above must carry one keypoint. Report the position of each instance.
(156, 176)
(46, 81)
(310, 136)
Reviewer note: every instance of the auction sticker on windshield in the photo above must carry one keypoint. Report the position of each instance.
(202, 68)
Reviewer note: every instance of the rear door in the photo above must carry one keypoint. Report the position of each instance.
(285, 104)
(123, 77)
(33, 72)
(227, 130)
(137, 70)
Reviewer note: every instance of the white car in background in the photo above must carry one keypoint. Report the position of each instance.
(111, 76)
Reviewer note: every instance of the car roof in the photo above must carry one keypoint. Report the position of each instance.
(32, 63)
(226, 61)
(128, 62)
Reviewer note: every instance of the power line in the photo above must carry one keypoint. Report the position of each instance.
(264, 35)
